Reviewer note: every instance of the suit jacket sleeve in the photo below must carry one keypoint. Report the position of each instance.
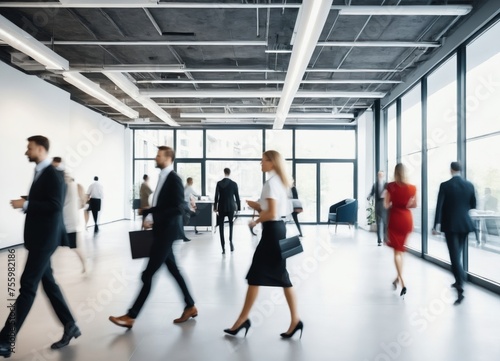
(439, 206)
(372, 192)
(216, 197)
(237, 196)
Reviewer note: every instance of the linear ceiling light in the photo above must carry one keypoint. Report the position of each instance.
(131, 89)
(431, 10)
(381, 44)
(253, 81)
(131, 68)
(25, 43)
(91, 88)
(159, 43)
(266, 115)
(312, 20)
(256, 94)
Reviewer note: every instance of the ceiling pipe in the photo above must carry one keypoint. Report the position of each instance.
(243, 81)
(266, 115)
(173, 94)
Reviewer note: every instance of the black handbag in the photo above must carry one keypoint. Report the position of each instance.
(140, 243)
(290, 247)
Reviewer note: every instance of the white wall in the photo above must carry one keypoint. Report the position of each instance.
(89, 143)
(366, 163)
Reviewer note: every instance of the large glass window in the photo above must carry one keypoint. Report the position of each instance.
(306, 184)
(189, 144)
(325, 144)
(411, 153)
(391, 138)
(245, 143)
(483, 150)
(441, 142)
(337, 184)
(191, 170)
(147, 141)
(280, 140)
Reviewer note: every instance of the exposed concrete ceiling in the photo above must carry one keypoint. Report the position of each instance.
(175, 61)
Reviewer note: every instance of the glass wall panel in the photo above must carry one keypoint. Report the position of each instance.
(245, 143)
(189, 144)
(247, 174)
(307, 190)
(147, 141)
(337, 183)
(441, 142)
(192, 170)
(483, 83)
(391, 138)
(483, 170)
(280, 140)
(144, 167)
(325, 144)
(411, 154)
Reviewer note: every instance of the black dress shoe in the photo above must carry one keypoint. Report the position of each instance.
(69, 333)
(185, 239)
(459, 299)
(5, 349)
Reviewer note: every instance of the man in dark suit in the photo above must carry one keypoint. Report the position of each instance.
(456, 197)
(378, 193)
(165, 217)
(43, 233)
(226, 202)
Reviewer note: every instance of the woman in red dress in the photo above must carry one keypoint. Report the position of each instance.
(399, 197)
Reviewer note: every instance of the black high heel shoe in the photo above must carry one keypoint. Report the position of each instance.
(246, 325)
(403, 292)
(300, 326)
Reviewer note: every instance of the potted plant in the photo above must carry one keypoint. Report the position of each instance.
(370, 215)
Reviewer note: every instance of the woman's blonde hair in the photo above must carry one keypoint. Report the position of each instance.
(400, 174)
(278, 165)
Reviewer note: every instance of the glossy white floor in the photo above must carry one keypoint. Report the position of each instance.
(343, 283)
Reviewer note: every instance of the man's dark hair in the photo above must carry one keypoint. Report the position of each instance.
(145, 177)
(96, 178)
(57, 159)
(169, 152)
(227, 171)
(40, 140)
(455, 166)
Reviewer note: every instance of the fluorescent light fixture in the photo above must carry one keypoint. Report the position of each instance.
(268, 81)
(381, 44)
(266, 115)
(91, 88)
(407, 10)
(278, 51)
(345, 122)
(311, 24)
(256, 94)
(25, 43)
(431, 10)
(131, 89)
(160, 43)
(131, 68)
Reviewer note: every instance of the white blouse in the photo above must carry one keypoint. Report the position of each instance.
(275, 189)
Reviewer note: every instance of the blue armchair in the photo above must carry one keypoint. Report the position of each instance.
(345, 212)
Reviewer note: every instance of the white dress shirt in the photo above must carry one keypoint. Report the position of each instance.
(275, 189)
(161, 181)
(96, 190)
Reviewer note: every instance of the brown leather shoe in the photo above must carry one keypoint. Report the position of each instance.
(122, 321)
(187, 314)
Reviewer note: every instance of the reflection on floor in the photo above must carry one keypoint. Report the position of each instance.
(343, 283)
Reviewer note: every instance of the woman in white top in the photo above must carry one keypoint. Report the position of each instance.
(268, 268)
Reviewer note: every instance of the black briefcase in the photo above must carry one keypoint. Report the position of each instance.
(140, 243)
(290, 246)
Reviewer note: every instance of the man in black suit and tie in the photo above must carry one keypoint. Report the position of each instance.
(226, 202)
(378, 193)
(165, 217)
(456, 197)
(43, 233)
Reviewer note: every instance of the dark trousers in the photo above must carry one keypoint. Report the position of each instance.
(95, 207)
(161, 253)
(37, 269)
(296, 220)
(381, 218)
(456, 244)
(220, 223)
